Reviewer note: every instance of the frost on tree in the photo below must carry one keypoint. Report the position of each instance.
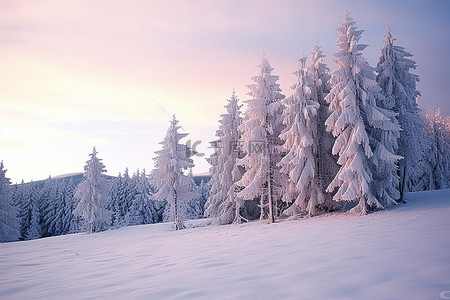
(122, 195)
(326, 166)
(216, 192)
(399, 88)
(436, 173)
(142, 210)
(364, 132)
(260, 131)
(9, 226)
(29, 212)
(301, 146)
(223, 204)
(195, 208)
(168, 177)
(93, 195)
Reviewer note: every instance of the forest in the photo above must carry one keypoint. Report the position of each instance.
(351, 139)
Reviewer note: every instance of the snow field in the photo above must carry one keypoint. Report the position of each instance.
(402, 253)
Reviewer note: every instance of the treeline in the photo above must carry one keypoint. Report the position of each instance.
(43, 209)
(349, 139)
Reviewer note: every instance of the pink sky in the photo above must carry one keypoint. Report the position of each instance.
(78, 74)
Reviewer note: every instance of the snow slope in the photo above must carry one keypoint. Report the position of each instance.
(403, 253)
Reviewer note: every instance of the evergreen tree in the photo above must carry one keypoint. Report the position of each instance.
(399, 88)
(142, 210)
(168, 177)
(358, 124)
(223, 202)
(115, 199)
(301, 146)
(125, 192)
(56, 224)
(47, 206)
(9, 226)
(93, 195)
(437, 161)
(203, 190)
(194, 207)
(33, 228)
(216, 192)
(20, 198)
(326, 166)
(260, 131)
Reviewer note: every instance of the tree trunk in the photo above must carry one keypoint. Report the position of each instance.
(176, 220)
(269, 194)
(402, 186)
(237, 213)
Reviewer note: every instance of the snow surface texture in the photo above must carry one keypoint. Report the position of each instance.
(402, 253)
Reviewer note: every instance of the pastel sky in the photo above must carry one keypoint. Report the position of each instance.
(77, 74)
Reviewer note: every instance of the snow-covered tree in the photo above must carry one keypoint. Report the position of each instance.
(301, 145)
(126, 192)
(260, 131)
(70, 222)
(399, 88)
(326, 166)
(142, 210)
(194, 209)
(33, 226)
(56, 224)
(203, 190)
(436, 173)
(359, 125)
(47, 199)
(216, 192)
(169, 179)
(26, 198)
(20, 199)
(223, 203)
(9, 226)
(93, 195)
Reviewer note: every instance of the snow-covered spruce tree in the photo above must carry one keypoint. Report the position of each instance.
(168, 177)
(47, 200)
(20, 199)
(260, 130)
(32, 227)
(93, 195)
(437, 160)
(194, 209)
(358, 124)
(53, 208)
(9, 225)
(301, 145)
(56, 224)
(229, 208)
(226, 204)
(115, 199)
(26, 198)
(399, 88)
(216, 192)
(123, 192)
(69, 206)
(142, 210)
(203, 190)
(326, 166)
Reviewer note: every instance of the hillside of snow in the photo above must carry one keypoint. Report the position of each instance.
(402, 253)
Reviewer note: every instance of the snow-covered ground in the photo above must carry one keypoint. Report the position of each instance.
(403, 253)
